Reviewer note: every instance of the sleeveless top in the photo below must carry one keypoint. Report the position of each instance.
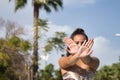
(78, 74)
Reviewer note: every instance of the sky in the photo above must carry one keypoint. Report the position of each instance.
(99, 18)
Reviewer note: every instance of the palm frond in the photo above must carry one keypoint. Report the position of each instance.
(19, 4)
(43, 24)
(55, 4)
(47, 8)
(49, 4)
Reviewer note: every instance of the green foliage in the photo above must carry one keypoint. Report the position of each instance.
(4, 77)
(48, 4)
(55, 42)
(3, 59)
(43, 24)
(12, 63)
(49, 73)
(109, 72)
(20, 4)
(45, 4)
(25, 45)
(58, 75)
(14, 42)
(48, 48)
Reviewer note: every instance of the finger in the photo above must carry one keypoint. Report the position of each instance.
(89, 44)
(84, 43)
(90, 52)
(67, 50)
(81, 47)
(68, 41)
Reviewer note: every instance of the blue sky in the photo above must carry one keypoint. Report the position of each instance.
(99, 18)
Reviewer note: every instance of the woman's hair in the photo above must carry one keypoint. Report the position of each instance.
(77, 32)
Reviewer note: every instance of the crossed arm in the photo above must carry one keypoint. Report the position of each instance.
(83, 52)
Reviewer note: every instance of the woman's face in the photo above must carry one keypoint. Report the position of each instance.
(79, 39)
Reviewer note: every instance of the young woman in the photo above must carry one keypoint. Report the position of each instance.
(78, 64)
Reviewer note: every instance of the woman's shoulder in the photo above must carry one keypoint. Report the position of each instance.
(95, 59)
(95, 62)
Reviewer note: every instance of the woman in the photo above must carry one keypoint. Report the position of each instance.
(78, 64)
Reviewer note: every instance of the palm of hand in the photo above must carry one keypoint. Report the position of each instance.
(73, 47)
(83, 51)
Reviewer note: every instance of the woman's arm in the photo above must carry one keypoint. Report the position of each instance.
(84, 53)
(92, 62)
(65, 62)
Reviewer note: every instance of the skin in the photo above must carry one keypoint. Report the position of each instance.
(80, 55)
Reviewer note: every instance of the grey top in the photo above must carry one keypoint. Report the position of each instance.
(78, 74)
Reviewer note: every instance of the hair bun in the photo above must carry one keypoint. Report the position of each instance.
(80, 30)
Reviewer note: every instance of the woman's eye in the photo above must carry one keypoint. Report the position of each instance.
(81, 43)
(77, 42)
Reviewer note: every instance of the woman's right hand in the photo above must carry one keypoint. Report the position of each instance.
(85, 49)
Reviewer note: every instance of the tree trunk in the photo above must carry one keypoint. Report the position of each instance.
(35, 44)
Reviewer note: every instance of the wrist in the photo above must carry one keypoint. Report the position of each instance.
(74, 59)
(86, 60)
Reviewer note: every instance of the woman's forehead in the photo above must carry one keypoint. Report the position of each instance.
(79, 38)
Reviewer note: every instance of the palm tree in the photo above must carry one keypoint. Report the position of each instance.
(47, 5)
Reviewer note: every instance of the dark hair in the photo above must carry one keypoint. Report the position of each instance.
(76, 32)
(79, 31)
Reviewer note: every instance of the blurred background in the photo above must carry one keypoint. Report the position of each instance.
(21, 30)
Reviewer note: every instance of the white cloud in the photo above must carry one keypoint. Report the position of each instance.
(78, 2)
(104, 50)
(65, 28)
(117, 34)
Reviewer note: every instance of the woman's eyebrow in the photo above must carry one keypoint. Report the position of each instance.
(77, 42)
